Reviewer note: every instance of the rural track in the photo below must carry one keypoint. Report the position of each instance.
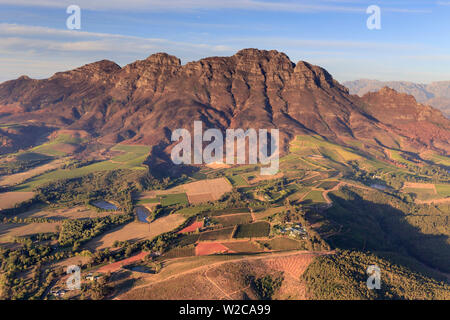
(266, 255)
(215, 284)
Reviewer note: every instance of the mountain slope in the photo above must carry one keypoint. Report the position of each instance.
(436, 94)
(143, 101)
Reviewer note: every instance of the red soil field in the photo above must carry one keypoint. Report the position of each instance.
(191, 228)
(293, 265)
(112, 267)
(206, 248)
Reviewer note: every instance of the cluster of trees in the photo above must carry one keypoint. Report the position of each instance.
(16, 166)
(26, 220)
(267, 286)
(344, 276)
(29, 257)
(380, 221)
(75, 232)
(96, 290)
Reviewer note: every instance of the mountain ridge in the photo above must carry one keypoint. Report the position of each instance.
(143, 101)
(436, 94)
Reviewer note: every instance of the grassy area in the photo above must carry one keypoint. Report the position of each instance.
(327, 185)
(283, 244)
(147, 200)
(422, 193)
(132, 159)
(243, 246)
(343, 276)
(314, 196)
(180, 252)
(217, 235)
(171, 199)
(237, 180)
(316, 145)
(438, 159)
(194, 210)
(443, 189)
(58, 147)
(253, 230)
(234, 219)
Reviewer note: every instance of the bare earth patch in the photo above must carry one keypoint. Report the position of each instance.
(414, 185)
(215, 187)
(10, 230)
(206, 248)
(113, 267)
(79, 212)
(135, 231)
(17, 178)
(224, 279)
(10, 199)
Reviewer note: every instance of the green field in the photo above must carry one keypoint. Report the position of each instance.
(147, 200)
(283, 244)
(234, 219)
(443, 189)
(442, 160)
(217, 235)
(180, 252)
(422, 193)
(253, 230)
(243, 246)
(310, 145)
(314, 196)
(194, 210)
(53, 147)
(237, 180)
(327, 185)
(134, 154)
(172, 199)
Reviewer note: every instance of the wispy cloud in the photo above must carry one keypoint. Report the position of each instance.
(183, 5)
(41, 51)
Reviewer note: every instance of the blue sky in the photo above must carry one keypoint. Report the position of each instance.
(412, 45)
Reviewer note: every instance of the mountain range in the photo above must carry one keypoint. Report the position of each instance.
(436, 94)
(142, 102)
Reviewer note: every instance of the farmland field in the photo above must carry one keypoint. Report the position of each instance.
(233, 219)
(207, 190)
(314, 196)
(253, 230)
(13, 179)
(133, 160)
(78, 212)
(171, 199)
(443, 189)
(207, 248)
(327, 185)
(180, 252)
(243, 246)
(217, 235)
(282, 243)
(134, 231)
(10, 199)
(10, 230)
(237, 180)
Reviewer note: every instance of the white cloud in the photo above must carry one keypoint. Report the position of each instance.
(170, 5)
(183, 5)
(41, 51)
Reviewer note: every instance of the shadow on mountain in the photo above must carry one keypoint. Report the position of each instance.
(368, 226)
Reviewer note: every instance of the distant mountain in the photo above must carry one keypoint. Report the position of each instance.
(436, 94)
(142, 102)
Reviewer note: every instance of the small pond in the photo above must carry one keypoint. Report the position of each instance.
(104, 205)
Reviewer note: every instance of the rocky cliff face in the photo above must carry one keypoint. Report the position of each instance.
(420, 123)
(436, 94)
(143, 101)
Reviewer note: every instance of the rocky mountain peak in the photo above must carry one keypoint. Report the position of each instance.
(162, 58)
